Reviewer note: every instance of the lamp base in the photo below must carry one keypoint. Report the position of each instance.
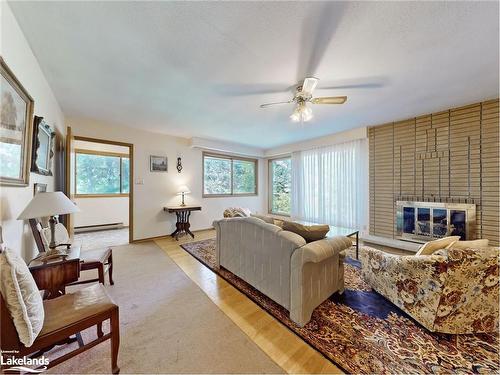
(58, 252)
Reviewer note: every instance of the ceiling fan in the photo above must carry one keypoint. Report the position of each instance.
(304, 95)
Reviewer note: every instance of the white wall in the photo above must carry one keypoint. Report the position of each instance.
(92, 212)
(101, 210)
(104, 147)
(222, 146)
(159, 189)
(18, 55)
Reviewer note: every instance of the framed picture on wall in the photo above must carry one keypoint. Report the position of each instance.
(158, 163)
(16, 116)
(43, 147)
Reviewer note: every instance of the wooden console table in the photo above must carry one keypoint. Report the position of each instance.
(182, 225)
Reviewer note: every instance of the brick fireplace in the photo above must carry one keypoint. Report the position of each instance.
(445, 158)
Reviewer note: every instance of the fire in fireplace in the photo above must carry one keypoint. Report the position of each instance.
(424, 221)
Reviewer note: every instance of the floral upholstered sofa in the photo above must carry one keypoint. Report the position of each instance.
(453, 290)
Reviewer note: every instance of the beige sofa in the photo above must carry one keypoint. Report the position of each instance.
(451, 291)
(280, 264)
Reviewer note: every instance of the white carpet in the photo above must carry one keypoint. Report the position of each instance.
(167, 324)
(101, 239)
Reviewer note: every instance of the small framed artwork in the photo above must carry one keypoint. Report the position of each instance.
(42, 150)
(40, 188)
(15, 125)
(158, 163)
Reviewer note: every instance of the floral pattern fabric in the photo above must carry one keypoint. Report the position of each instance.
(451, 291)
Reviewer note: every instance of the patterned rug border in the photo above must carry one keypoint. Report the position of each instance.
(260, 305)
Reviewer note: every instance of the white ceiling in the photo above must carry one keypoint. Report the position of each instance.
(193, 68)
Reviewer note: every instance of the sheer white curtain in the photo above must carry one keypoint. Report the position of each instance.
(330, 185)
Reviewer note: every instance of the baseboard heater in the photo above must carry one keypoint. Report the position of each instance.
(93, 228)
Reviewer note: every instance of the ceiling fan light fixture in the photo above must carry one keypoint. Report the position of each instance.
(301, 113)
(295, 116)
(307, 114)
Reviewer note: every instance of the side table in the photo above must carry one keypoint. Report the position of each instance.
(53, 275)
(182, 225)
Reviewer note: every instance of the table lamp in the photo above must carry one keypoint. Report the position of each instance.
(183, 189)
(49, 204)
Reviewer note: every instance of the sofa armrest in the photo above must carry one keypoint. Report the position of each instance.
(293, 238)
(316, 273)
(377, 261)
(414, 282)
(318, 251)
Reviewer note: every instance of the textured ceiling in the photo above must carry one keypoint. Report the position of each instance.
(202, 68)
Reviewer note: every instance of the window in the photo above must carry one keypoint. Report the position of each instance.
(331, 184)
(280, 177)
(100, 173)
(227, 175)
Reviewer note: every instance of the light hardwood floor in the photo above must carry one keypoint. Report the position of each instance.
(285, 348)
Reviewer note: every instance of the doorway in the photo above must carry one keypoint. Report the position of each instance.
(99, 180)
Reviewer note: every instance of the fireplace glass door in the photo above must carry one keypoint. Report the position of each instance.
(409, 220)
(439, 222)
(457, 223)
(424, 221)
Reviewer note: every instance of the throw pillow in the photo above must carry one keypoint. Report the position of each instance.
(267, 219)
(475, 244)
(308, 232)
(236, 212)
(21, 296)
(429, 247)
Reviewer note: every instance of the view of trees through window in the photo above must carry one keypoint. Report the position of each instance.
(228, 176)
(281, 185)
(102, 174)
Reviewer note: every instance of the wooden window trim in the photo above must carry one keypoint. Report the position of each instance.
(232, 158)
(102, 153)
(270, 187)
(117, 195)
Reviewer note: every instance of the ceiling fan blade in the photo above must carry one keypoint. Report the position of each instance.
(329, 100)
(275, 103)
(251, 89)
(359, 86)
(309, 85)
(368, 82)
(317, 31)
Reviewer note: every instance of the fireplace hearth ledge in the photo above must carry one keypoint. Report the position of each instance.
(390, 242)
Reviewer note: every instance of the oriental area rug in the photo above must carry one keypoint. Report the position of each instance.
(363, 333)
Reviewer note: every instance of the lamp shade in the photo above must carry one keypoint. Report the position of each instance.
(183, 189)
(48, 204)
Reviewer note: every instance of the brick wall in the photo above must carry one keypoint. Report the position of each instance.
(449, 156)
